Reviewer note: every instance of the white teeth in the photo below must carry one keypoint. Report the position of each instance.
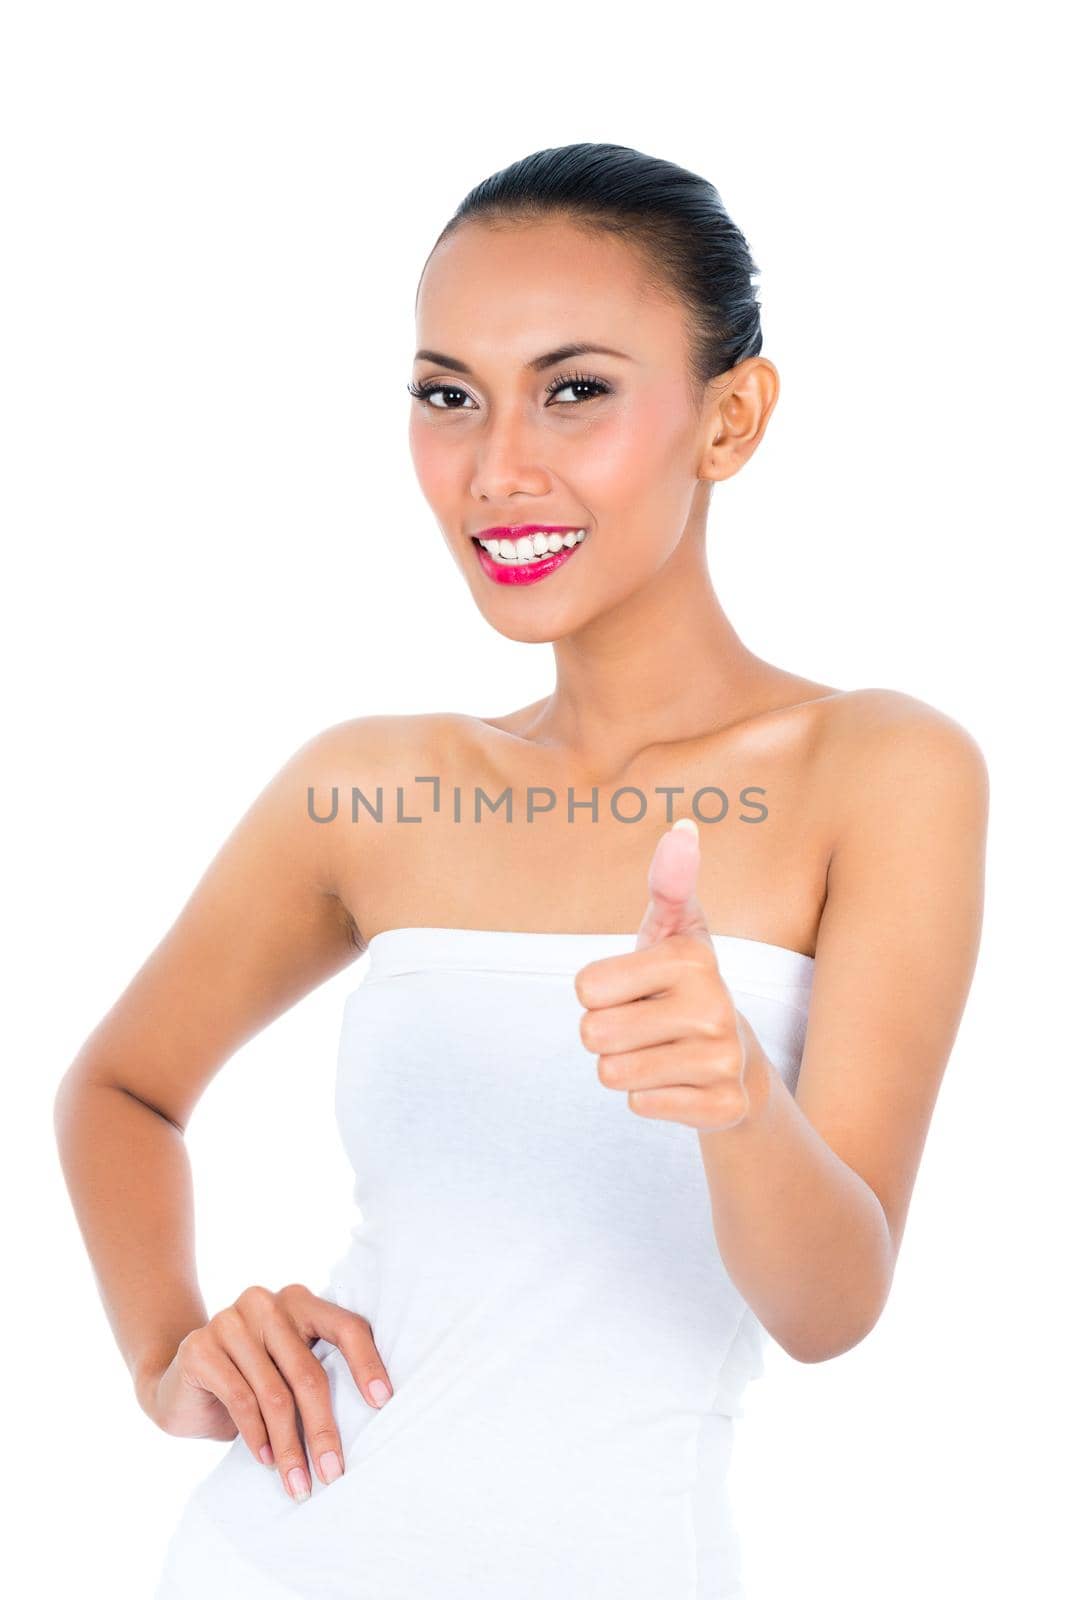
(530, 547)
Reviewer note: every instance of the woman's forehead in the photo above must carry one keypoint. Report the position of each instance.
(512, 290)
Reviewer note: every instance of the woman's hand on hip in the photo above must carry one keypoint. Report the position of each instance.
(250, 1371)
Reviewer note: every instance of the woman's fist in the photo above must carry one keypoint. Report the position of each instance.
(660, 1018)
(250, 1370)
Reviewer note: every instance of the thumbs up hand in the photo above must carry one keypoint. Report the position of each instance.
(660, 1018)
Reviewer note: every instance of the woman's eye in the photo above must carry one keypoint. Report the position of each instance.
(578, 382)
(425, 391)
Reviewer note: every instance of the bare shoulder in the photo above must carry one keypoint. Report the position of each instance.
(869, 736)
(372, 753)
(864, 713)
(375, 753)
(366, 776)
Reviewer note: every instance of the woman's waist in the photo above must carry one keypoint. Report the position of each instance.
(605, 1340)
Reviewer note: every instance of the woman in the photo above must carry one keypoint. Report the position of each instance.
(623, 1099)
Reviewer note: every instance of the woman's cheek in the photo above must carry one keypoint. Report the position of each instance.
(435, 464)
(628, 453)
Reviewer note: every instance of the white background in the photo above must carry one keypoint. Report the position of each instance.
(215, 219)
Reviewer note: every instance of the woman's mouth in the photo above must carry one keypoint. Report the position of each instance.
(528, 558)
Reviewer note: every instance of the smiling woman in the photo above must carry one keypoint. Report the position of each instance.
(605, 430)
(620, 1108)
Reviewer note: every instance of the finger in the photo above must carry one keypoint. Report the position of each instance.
(673, 906)
(356, 1343)
(662, 1019)
(318, 1318)
(209, 1364)
(641, 974)
(311, 1410)
(274, 1394)
(681, 1063)
(707, 1110)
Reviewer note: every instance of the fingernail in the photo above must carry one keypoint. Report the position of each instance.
(266, 1455)
(687, 823)
(298, 1483)
(330, 1465)
(379, 1391)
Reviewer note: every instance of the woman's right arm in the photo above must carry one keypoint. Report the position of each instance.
(263, 927)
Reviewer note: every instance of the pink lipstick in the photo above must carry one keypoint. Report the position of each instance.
(528, 554)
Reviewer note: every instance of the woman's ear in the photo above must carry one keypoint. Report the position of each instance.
(738, 415)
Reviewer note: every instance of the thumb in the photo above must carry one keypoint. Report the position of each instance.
(673, 906)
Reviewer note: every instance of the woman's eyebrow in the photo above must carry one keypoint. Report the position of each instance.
(538, 364)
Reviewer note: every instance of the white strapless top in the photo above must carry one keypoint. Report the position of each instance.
(539, 1268)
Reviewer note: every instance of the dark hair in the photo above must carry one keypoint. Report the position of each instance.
(676, 218)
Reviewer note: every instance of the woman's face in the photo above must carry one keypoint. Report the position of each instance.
(516, 435)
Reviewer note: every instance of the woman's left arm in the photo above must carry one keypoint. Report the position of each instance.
(810, 1193)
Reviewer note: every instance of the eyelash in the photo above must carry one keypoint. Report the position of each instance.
(423, 391)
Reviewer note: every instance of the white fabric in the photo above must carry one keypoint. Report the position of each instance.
(539, 1269)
